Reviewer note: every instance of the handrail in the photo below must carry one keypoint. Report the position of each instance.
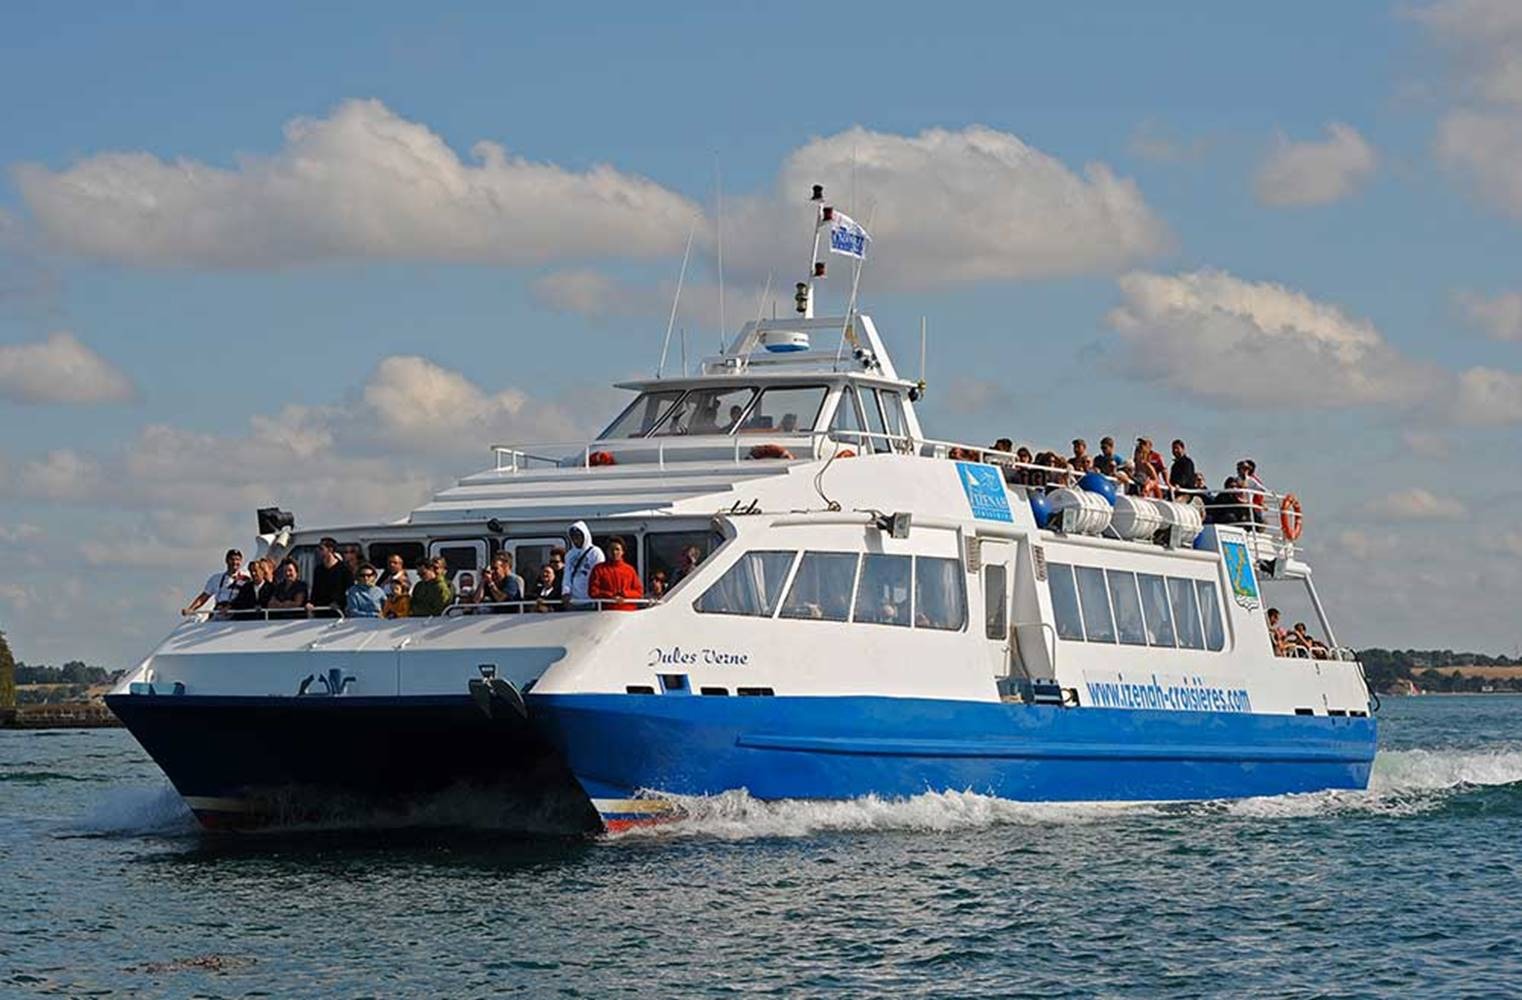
(1045, 626)
(252, 614)
(530, 607)
(452, 611)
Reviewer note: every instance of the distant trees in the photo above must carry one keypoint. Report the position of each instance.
(7, 675)
(73, 672)
(1386, 667)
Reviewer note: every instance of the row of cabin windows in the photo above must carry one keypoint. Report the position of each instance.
(861, 411)
(873, 588)
(1135, 609)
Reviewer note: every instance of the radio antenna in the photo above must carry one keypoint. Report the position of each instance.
(676, 299)
(718, 187)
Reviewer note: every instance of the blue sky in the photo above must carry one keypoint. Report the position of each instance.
(1288, 230)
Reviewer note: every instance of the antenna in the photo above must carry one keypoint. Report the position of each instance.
(922, 350)
(676, 300)
(718, 187)
(684, 354)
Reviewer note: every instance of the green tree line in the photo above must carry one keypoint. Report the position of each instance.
(1386, 667)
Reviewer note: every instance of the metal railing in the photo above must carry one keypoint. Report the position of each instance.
(455, 610)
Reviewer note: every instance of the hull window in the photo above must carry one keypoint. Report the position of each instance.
(750, 587)
(1098, 625)
(1129, 626)
(882, 598)
(821, 589)
(995, 602)
(1210, 611)
(1186, 613)
(1064, 601)
(940, 600)
(1154, 596)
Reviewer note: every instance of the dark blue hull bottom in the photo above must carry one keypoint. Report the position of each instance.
(242, 762)
(845, 747)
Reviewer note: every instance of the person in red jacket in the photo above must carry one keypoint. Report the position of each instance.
(615, 580)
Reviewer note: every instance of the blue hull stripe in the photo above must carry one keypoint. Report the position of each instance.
(844, 747)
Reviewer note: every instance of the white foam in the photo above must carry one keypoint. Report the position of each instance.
(143, 810)
(1403, 782)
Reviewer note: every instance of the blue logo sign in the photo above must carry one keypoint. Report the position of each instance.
(984, 486)
(1244, 585)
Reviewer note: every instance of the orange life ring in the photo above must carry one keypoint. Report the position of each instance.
(601, 458)
(770, 451)
(845, 453)
(1289, 516)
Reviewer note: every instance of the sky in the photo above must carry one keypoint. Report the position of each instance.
(326, 256)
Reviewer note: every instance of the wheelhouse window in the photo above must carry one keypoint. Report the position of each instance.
(821, 588)
(940, 599)
(750, 587)
(875, 424)
(893, 413)
(641, 416)
(706, 411)
(1210, 611)
(1059, 578)
(786, 409)
(1129, 626)
(1186, 613)
(882, 597)
(1154, 598)
(1098, 625)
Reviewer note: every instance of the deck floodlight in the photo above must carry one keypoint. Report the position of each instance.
(801, 297)
(495, 526)
(818, 194)
(819, 269)
(829, 213)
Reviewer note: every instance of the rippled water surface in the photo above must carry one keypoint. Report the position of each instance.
(1413, 888)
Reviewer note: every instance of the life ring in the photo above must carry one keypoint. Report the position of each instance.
(1289, 517)
(601, 458)
(770, 451)
(845, 453)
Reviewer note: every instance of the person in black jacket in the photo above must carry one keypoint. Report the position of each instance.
(1181, 475)
(331, 579)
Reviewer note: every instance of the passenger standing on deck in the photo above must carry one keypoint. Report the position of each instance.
(289, 592)
(1107, 462)
(615, 580)
(1181, 475)
(546, 592)
(364, 599)
(331, 579)
(222, 587)
(396, 569)
(431, 595)
(1080, 454)
(580, 560)
(1254, 493)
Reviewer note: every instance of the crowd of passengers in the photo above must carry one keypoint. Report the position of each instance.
(581, 577)
(1297, 641)
(1145, 474)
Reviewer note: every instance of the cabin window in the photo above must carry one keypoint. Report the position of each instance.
(821, 588)
(641, 416)
(665, 552)
(882, 597)
(1186, 613)
(1129, 626)
(791, 410)
(995, 601)
(893, 412)
(706, 411)
(847, 425)
(1099, 626)
(875, 425)
(1064, 601)
(1154, 598)
(1210, 610)
(750, 587)
(940, 600)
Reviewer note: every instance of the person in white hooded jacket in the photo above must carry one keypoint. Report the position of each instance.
(579, 562)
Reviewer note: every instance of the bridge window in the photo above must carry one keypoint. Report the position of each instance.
(1064, 601)
(1129, 625)
(821, 588)
(787, 410)
(882, 598)
(875, 424)
(1210, 610)
(1186, 613)
(706, 411)
(1098, 625)
(750, 587)
(641, 416)
(940, 600)
(847, 425)
(1154, 598)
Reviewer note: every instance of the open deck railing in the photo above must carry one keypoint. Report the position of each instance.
(452, 611)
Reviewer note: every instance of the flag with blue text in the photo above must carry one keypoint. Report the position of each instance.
(847, 236)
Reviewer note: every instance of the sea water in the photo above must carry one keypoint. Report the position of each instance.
(1413, 888)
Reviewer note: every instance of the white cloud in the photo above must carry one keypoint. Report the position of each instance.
(1257, 344)
(63, 474)
(1485, 40)
(1511, 541)
(971, 395)
(1315, 172)
(1427, 444)
(1485, 147)
(1500, 316)
(1363, 546)
(60, 370)
(22, 532)
(360, 183)
(1488, 396)
(1417, 504)
(974, 204)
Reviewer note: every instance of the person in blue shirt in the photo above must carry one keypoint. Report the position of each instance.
(365, 599)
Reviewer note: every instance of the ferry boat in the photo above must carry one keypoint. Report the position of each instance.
(868, 611)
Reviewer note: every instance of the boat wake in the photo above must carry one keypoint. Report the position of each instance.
(1404, 782)
(136, 811)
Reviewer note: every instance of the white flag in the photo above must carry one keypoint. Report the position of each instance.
(847, 237)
